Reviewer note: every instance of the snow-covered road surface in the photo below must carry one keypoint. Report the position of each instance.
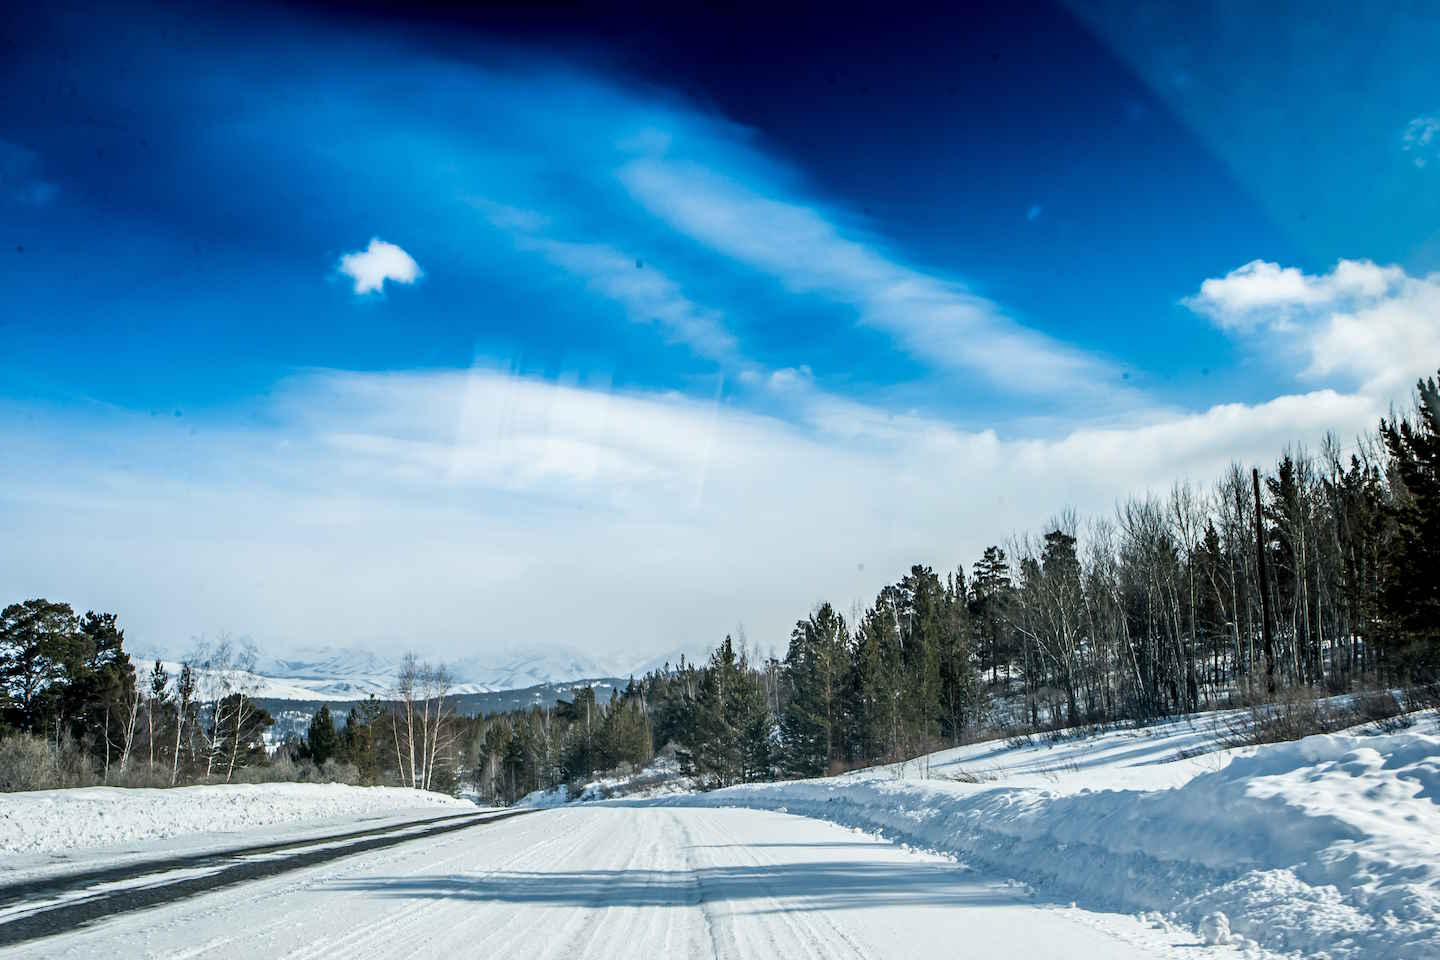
(622, 881)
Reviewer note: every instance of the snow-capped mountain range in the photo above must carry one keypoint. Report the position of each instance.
(337, 674)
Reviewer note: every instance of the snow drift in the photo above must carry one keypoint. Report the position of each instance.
(1329, 845)
(51, 821)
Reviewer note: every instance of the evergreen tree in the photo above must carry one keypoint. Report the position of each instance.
(157, 712)
(733, 725)
(959, 685)
(1412, 593)
(359, 743)
(878, 680)
(321, 740)
(991, 597)
(817, 665)
(921, 615)
(102, 698)
(238, 730)
(38, 640)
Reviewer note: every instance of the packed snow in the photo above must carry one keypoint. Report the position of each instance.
(1325, 846)
(1150, 841)
(50, 822)
(600, 881)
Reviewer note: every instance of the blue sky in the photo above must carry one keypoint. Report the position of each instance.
(710, 318)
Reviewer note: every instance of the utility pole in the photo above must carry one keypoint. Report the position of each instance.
(1266, 635)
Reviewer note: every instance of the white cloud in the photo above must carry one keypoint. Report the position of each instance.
(1422, 138)
(386, 509)
(1236, 300)
(378, 262)
(1376, 325)
(932, 318)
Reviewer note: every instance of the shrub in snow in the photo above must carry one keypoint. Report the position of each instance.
(32, 763)
(1215, 928)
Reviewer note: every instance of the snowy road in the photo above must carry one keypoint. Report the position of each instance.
(618, 881)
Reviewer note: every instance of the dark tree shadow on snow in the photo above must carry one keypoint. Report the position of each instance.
(842, 885)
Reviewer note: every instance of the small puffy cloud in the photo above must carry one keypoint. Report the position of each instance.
(1248, 295)
(792, 378)
(380, 261)
(1375, 324)
(1422, 138)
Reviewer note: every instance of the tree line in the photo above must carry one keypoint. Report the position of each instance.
(85, 712)
(1318, 575)
(75, 710)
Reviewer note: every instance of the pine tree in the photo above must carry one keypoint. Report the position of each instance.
(321, 740)
(38, 639)
(878, 680)
(817, 666)
(733, 728)
(1412, 593)
(991, 597)
(959, 685)
(157, 706)
(921, 616)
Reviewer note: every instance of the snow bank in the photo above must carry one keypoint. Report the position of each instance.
(50, 821)
(661, 778)
(1326, 846)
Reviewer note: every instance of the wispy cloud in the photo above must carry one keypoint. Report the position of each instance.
(646, 293)
(377, 263)
(1421, 139)
(931, 317)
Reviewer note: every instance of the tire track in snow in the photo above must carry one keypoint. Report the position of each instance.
(805, 934)
(382, 933)
(69, 915)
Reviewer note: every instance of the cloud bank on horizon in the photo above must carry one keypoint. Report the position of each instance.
(679, 360)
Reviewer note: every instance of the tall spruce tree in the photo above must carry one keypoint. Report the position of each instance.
(733, 728)
(1412, 593)
(817, 664)
(321, 740)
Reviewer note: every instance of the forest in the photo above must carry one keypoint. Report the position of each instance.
(1316, 576)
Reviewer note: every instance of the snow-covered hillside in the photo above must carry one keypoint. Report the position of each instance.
(1329, 846)
(340, 674)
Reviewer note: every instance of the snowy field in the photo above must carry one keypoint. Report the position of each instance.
(1329, 846)
(67, 826)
